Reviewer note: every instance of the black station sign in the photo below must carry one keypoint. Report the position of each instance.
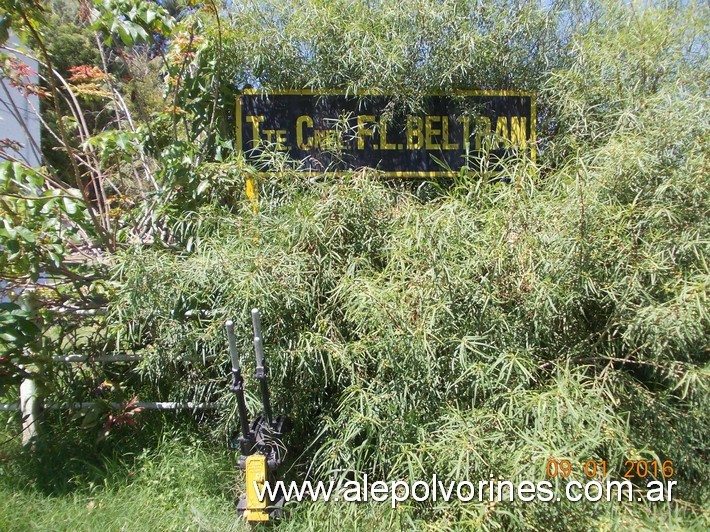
(331, 131)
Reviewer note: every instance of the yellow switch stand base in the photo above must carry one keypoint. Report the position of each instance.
(255, 476)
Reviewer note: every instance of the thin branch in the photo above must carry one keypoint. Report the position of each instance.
(62, 130)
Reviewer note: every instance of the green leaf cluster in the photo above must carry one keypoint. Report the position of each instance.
(134, 21)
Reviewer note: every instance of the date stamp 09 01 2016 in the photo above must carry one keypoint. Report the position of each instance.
(633, 469)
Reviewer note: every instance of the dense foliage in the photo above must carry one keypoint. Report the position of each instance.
(465, 328)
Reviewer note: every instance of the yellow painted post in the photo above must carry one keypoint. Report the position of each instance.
(255, 476)
(252, 193)
(251, 190)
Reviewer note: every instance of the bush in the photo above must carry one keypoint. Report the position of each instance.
(471, 328)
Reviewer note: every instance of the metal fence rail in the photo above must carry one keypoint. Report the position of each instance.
(147, 405)
(31, 405)
(103, 358)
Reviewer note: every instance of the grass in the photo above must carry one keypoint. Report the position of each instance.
(159, 480)
(177, 482)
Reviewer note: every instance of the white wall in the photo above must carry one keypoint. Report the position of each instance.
(16, 109)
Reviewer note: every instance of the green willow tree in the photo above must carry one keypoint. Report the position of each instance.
(475, 327)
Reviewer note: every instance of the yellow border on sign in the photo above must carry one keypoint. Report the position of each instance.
(251, 189)
(340, 92)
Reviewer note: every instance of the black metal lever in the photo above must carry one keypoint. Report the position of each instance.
(237, 387)
(261, 368)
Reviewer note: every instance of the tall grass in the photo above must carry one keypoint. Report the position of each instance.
(155, 481)
(480, 332)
